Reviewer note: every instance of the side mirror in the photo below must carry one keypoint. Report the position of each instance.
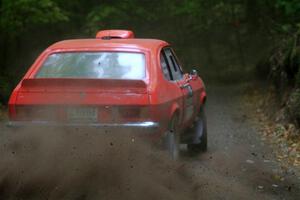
(194, 72)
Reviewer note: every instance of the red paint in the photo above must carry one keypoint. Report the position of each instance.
(152, 99)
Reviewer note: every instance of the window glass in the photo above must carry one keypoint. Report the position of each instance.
(102, 65)
(174, 67)
(176, 61)
(165, 67)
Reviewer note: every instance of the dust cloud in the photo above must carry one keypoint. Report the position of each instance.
(86, 165)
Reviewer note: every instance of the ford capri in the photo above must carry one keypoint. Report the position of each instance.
(114, 81)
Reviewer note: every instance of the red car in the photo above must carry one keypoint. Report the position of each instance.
(114, 80)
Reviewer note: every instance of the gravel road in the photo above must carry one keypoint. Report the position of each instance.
(238, 165)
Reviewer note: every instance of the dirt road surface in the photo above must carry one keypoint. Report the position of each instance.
(238, 164)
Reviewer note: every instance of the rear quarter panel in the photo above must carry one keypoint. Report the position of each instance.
(164, 96)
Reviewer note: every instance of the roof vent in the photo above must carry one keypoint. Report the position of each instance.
(115, 34)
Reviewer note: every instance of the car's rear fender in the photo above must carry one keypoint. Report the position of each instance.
(175, 111)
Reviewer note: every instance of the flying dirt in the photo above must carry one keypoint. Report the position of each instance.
(59, 164)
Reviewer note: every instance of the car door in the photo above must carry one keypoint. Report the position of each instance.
(183, 83)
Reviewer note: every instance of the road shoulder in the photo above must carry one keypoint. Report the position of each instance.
(273, 128)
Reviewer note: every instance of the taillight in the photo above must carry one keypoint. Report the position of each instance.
(130, 113)
(28, 113)
(122, 114)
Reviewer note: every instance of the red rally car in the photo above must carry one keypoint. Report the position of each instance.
(114, 80)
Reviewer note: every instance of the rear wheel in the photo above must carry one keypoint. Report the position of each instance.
(200, 129)
(172, 139)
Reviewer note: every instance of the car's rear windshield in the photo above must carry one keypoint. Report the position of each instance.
(99, 65)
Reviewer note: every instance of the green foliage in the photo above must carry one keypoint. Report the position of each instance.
(103, 16)
(289, 20)
(206, 14)
(18, 15)
(284, 63)
(120, 14)
(290, 7)
(284, 59)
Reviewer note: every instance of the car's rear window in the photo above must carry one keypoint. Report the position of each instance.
(102, 65)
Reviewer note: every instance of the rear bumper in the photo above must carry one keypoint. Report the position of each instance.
(149, 126)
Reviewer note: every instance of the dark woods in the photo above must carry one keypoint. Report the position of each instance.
(224, 39)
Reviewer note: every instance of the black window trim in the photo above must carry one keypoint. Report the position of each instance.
(174, 61)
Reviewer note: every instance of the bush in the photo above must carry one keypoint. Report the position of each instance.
(283, 64)
(293, 106)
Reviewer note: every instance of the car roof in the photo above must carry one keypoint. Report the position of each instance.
(144, 44)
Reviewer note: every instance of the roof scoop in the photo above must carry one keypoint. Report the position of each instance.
(115, 34)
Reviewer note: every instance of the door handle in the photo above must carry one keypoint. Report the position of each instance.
(185, 85)
(190, 77)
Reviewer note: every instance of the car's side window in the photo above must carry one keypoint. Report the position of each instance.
(176, 71)
(165, 67)
(177, 62)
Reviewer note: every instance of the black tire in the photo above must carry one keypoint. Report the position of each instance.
(172, 139)
(202, 146)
